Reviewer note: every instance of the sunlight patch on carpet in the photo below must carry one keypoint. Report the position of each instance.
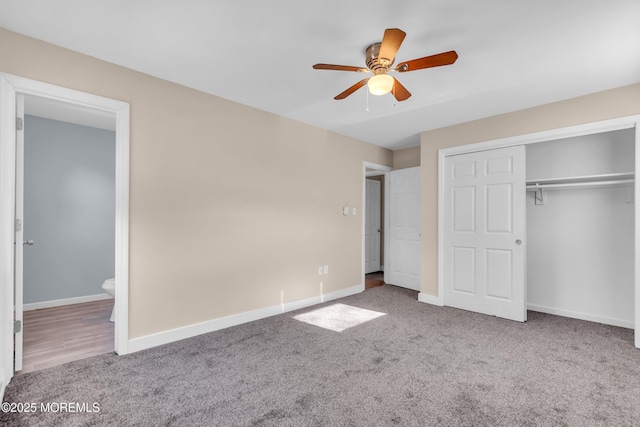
(338, 317)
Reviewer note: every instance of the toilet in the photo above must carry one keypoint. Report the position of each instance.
(109, 287)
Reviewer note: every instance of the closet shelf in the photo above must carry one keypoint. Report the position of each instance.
(587, 181)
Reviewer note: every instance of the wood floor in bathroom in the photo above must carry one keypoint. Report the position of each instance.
(57, 335)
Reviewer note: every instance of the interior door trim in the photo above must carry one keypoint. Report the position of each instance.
(380, 170)
(10, 85)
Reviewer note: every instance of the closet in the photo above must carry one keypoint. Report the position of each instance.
(580, 227)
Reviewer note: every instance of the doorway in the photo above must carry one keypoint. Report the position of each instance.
(579, 211)
(374, 232)
(400, 227)
(68, 230)
(375, 211)
(10, 88)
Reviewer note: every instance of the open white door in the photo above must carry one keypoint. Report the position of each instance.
(484, 223)
(18, 242)
(404, 229)
(372, 227)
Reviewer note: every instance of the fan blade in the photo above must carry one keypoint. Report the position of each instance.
(339, 68)
(352, 89)
(391, 42)
(445, 58)
(400, 92)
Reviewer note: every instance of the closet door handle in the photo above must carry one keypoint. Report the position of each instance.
(518, 242)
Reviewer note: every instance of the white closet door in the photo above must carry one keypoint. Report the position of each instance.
(484, 232)
(372, 227)
(404, 229)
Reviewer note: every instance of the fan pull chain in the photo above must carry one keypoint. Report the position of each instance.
(367, 107)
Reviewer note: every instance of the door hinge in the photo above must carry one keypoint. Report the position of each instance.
(19, 123)
(18, 225)
(17, 326)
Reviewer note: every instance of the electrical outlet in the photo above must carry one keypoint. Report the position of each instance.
(320, 270)
(345, 210)
(325, 269)
(354, 211)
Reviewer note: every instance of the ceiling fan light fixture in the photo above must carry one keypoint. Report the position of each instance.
(379, 58)
(380, 84)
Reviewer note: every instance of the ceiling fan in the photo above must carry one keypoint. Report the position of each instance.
(380, 58)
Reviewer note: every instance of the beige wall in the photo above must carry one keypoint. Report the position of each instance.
(230, 207)
(620, 102)
(406, 158)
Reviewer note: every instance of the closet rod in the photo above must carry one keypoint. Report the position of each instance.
(536, 186)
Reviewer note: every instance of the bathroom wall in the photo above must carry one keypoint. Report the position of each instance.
(69, 209)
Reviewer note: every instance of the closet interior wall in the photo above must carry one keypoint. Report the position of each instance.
(580, 242)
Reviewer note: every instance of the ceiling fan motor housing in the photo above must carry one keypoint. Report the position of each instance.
(376, 64)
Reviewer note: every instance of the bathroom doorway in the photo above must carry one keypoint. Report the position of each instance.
(68, 159)
(11, 307)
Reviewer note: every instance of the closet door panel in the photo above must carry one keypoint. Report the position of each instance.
(498, 206)
(499, 270)
(464, 209)
(463, 270)
(484, 232)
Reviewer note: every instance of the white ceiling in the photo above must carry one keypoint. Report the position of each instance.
(512, 54)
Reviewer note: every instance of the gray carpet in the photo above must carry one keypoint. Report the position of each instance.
(418, 365)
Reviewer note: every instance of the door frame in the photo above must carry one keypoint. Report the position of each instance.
(628, 122)
(369, 181)
(10, 85)
(377, 170)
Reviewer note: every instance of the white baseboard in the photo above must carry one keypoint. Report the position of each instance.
(582, 316)
(184, 332)
(65, 301)
(430, 299)
(342, 293)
